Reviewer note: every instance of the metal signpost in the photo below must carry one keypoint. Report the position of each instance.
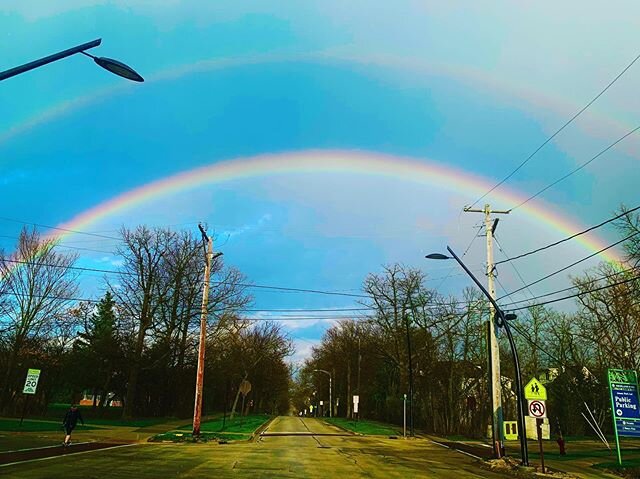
(30, 387)
(538, 410)
(356, 401)
(404, 416)
(536, 395)
(625, 404)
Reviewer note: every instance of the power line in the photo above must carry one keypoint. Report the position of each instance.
(591, 228)
(635, 278)
(512, 265)
(246, 285)
(592, 281)
(452, 269)
(574, 263)
(567, 123)
(40, 225)
(58, 245)
(303, 310)
(575, 170)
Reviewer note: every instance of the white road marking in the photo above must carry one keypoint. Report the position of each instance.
(67, 454)
(43, 447)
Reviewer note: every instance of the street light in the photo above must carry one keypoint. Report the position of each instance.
(330, 392)
(114, 66)
(502, 321)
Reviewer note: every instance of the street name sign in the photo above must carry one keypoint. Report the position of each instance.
(535, 390)
(537, 409)
(625, 404)
(31, 383)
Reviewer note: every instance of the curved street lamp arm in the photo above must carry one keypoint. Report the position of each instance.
(51, 58)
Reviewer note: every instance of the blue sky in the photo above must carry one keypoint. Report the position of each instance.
(469, 85)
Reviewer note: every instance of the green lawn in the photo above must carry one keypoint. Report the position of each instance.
(12, 442)
(244, 425)
(364, 426)
(240, 428)
(127, 423)
(31, 425)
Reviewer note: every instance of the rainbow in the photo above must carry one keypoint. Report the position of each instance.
(330, 161)
(596, 125)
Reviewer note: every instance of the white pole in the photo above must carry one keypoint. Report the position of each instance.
(404, 415)
(330, 398)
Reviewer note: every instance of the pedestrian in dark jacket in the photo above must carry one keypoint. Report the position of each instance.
(70, 421)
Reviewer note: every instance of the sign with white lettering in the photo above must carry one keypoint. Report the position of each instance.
(624, 402)
(625, 407)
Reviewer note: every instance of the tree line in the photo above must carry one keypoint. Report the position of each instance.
(138, 343)
(412, 332)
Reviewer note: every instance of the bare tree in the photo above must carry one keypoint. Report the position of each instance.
(37, 283)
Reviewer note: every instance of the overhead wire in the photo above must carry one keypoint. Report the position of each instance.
(581, 293)
(58, 228)
(557, 132)
(575, 170)
(575, 263)
(452, 269)
(552, 293)
(512, 265)
(568, 238)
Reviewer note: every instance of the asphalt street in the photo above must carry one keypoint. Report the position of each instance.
(290, 447)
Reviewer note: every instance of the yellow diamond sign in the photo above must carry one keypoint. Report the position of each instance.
(535, 390)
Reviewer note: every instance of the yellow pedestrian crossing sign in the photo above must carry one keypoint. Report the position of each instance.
(535, 390)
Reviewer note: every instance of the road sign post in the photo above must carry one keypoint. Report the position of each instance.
(356, 401)
(539, 421)
(625, 404)
(404, 422)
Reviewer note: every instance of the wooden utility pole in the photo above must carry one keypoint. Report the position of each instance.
(197, 409)
(492, 341)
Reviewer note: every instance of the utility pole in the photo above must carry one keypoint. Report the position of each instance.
(197, 409)
(492, 341)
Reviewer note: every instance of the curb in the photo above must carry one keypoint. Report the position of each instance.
(354, 433)
(261, 429)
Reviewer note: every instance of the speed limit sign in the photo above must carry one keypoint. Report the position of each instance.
(537, 409)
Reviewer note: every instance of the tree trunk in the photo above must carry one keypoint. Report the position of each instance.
(132, 384)
(349, 388)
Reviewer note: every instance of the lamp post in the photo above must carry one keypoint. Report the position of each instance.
(109, 64)
(330, 389)
(502, 321)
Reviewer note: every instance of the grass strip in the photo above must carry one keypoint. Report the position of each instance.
(367, 427)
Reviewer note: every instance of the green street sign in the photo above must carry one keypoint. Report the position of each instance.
(625, 404)
(31, 383)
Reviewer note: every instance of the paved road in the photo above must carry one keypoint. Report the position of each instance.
(298, 426)
(291, 447)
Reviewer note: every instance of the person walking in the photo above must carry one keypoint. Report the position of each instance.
(70, 421)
